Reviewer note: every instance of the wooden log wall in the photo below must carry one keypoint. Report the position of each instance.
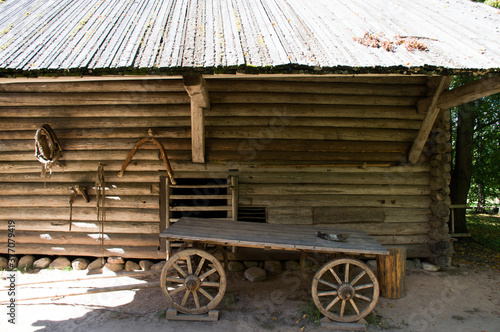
(325, 151)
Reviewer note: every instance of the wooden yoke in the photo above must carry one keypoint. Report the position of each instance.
(170, 172)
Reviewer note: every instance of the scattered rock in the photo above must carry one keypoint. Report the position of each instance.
(145, 265)
(430, 267)
(26, 262)
(235, 266)
(79, 264)
(113, 267)
(42, 263)
(159, 265)
(418, 263)
(97, 264)
(372, 264)
(60, 263)
(116, 260)
(292, 266)
(255, 274)
(249, 264)
(4, 263)
(131, 266)
(410, 265)
(273, 266)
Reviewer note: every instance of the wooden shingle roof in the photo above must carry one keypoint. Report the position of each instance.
(276, 36)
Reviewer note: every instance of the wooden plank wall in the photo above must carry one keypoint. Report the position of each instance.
(311, 150)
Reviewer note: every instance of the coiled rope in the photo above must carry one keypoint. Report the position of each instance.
(47, 149)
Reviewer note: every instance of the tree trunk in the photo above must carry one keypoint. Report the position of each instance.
(462, 171)
(481, 199)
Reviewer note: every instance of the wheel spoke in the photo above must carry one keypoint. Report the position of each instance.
(209, 284)
(176, 280)
(328, 293)
(346, 275)
(354, 306)
(335, 300)
(359, 276)
(366, 298)
(342, 308)
(362, 286)
(189, 264)
(198, 269)
(205, 293)
(324, 282)
(206, 274)
(336, 276)
(196, 300)
(181, 271)
(184, 299)
(177, 290)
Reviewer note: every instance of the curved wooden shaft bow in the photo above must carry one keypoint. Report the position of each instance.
(170, 172)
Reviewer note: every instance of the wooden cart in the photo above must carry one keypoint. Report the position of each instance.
(194, 281)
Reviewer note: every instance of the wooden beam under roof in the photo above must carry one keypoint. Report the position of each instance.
(196, 88)
(469, 92)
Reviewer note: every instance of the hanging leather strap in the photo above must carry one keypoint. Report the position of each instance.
(100, 191)
(170, 172)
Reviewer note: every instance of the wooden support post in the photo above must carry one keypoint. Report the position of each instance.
(196, 88)
(432, 112)
(391, 273)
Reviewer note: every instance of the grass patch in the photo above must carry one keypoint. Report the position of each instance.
(310, 313)
(376, 320)
(485, 230)
(457, 317)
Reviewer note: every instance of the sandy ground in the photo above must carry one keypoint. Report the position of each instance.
(454, 300)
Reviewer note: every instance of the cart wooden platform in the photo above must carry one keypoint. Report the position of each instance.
(193, 281)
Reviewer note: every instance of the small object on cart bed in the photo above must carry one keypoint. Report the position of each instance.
(332, 237)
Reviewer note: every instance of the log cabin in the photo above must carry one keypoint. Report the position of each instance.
(318, 113)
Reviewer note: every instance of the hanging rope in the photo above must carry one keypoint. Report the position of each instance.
(75, 191)
(47, 148)
(170, 172)
(100, 191)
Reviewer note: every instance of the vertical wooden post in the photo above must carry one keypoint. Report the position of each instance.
(391, 273)
(234, 196)
(164, 213)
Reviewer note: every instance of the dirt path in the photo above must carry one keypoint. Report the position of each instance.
(453, 300)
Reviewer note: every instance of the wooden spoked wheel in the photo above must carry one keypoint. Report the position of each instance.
(345, 290)
(193, 281)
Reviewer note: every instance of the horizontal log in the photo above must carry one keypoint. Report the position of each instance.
(90, 111)
(58, 225)
(97, 98)
(310, 98)
(10, 124)
(164, 135)
(110, 177)
(240, 85)
(258, 145)
(94, 144)
(320, 133)
(381, 229)
(332, 157)
(79, 214)
(121, 85)
(364, 78)
(364, 177)
(85, 238)
(86, 250)
(277, 110)
(388, 240)
(31, 189)
(132, 202)
(340, 215)
(304, 189)
(336, 200)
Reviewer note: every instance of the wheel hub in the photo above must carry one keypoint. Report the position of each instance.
(346, 292)
(192, 283)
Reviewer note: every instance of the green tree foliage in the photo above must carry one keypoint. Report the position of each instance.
(485, 170)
